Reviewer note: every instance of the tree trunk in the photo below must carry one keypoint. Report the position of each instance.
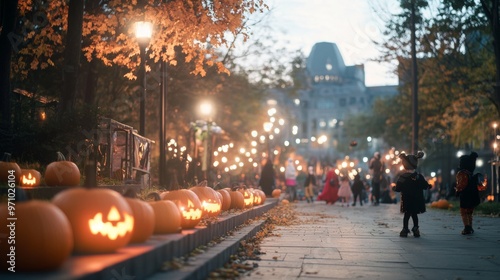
(8, 13)
(72, 56)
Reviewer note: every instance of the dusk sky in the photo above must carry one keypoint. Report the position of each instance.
(350, 24)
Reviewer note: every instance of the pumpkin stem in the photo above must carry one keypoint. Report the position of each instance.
(6, 157)
(60, 157)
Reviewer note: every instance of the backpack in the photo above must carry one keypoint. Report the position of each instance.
(463, 177)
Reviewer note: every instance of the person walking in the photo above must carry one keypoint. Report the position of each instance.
(291, 180)
(377, 168)
(329, 194)
(467, 189)
(309, 184)
(267, 178)
(411, 185)
(357, 190)
(345, 191)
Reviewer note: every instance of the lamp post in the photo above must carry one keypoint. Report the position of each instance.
(267, 128)
(143, 33)
(206, 111)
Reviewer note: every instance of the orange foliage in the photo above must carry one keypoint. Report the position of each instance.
(108, 33)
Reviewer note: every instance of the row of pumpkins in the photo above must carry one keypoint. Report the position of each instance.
(58, 173)
(99, 220)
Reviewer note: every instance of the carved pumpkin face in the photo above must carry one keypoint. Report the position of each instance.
(247, 197)
(30, 178)
(189, 206)
(210, 202)
(101, 219)
(257, 199)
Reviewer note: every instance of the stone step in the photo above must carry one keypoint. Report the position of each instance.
(140, 261)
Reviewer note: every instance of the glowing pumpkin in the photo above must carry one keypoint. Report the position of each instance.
(276, 193)
(490, 197)
(144, 220)
(261, 194)
(247, 197)
(9, 170)
(189, 205)
(62, 172)
(167, 217)
(237, 200)
(226, 199)
(30, 178)
(210, 202)
(101, 219)
(43, 236)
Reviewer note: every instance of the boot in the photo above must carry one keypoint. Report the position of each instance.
(467, 230)
(416, 232)
(307, 198)
(404, 232)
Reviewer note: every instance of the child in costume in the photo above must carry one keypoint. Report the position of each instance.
(467, 188)
(411, 184)
(345, 191)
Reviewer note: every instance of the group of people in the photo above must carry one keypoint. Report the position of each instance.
(410, 184)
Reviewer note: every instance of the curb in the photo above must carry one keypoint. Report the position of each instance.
(140, 261)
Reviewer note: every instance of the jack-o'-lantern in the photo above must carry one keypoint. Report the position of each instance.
(210, 202)
(261, 194)
(237, 200)
(43, 237)
(30, 178)
(226, 199)
(189, 205)
(62, 172)
(9, 170)
(490, 197)
(167, 217)
(144, 220)
(276, 193)
(247, 197)
(101, 219)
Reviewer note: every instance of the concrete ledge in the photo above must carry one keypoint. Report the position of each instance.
(144, 260)
(213, 258)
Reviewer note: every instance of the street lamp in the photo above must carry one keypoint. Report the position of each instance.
(267, 128)
(143, 33)
(206, 110)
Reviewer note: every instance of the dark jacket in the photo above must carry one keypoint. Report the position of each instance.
(411, 186)
(469, 196)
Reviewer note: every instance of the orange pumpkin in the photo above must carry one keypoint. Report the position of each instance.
(237, 200)
(62, 172)
(43, 237)
(210, 202)
(101, 219)
(30, 178)
(9, 170)
(247, 197)
(167, 217)
(189, 206)
(144, 220)
(276, 193)
(259, 197)
(226, 199)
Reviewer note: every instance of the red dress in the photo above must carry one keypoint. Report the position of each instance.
(330, 190)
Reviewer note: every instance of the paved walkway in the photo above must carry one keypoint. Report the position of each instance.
(334, 242)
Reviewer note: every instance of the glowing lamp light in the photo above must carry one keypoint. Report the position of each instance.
(143, 31)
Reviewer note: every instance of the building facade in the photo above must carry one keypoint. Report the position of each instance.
(331, 92)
